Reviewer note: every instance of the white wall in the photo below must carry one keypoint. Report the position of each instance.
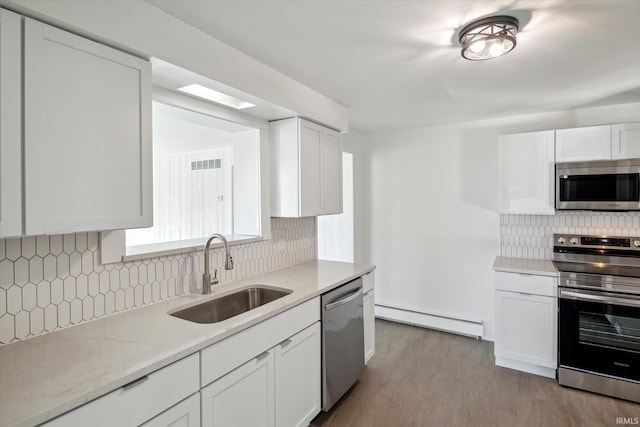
(336, 232)
(434, 228)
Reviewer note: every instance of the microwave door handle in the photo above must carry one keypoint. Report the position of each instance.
(627, 301)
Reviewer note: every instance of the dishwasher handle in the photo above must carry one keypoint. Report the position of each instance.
(349, 297)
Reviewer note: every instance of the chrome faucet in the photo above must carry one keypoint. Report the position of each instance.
(228, 263)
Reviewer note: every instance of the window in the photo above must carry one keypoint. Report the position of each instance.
(206, 179)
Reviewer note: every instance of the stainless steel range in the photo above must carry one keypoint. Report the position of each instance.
(599, 313)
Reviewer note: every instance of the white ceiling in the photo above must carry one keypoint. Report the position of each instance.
(397, 64)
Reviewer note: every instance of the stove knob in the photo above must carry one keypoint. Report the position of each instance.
(573, 240)
(636, 243)
(562, 240)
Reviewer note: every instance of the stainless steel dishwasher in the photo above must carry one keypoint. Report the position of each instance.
(342, 341)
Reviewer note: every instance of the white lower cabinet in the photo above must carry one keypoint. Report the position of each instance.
(184, 414)
(279, 387)
(297, 378)
(369, 320)
(243, 397)
(266, 375)
(526, 323)
(369, 326)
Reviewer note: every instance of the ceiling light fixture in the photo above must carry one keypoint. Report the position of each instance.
(488, 38)
(215, 96)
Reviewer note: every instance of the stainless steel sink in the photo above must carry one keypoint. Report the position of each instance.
(222, 308)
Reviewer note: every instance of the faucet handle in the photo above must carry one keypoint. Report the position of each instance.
(214, 279)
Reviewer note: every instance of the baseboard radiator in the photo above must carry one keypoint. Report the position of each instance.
(441, 322)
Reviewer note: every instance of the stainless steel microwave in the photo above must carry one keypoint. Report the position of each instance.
(599, 186)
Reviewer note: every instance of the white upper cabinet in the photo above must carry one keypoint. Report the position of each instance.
(607, 142)
(526, 172)
(306, 169)
(10, 124)
(332, 172)
(583, 144)
(87, 134)
(310, 169)
(625, 141)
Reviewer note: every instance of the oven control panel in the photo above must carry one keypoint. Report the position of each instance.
(596, 242)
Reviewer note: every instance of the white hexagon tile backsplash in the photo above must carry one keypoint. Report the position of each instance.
(531, 236)
(52, 282)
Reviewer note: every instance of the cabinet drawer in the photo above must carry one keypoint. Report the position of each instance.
(135, 403)
(527, 284)
(226, 355)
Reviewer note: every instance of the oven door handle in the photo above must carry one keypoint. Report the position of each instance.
(629, 301)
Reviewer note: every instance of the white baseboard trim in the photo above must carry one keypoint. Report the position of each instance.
(473, 328)
(526, 367)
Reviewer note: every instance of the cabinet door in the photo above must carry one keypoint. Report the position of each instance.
(582, 144)
(298, 378)
(10, 124)
(369, 325)
(242, 398)
(625, 141)
(310, 152)
(87, 134)
(526, 328)
(526, 173)
(331, 172)
(184, 414)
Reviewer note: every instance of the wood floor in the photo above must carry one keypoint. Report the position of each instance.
(421, 377)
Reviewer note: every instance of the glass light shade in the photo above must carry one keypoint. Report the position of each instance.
(488, 37)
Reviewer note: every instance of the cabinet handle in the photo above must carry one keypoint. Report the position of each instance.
(524, 294)
(135, 382)
(285, 343)
(262, 356)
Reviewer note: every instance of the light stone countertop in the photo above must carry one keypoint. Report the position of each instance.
(539, 267)
(45, 376)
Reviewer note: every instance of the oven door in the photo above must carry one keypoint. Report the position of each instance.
(600, 332)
